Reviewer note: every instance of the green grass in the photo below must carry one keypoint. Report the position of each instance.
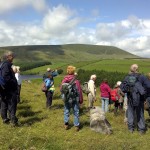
(42, 129)
(111, 65)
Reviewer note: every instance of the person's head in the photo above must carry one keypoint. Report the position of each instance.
(9, 56)
(134, 68)
(118, 83)
(18, 69)
(93, 77)
(71, 70)
(48, 69)
(14, 68)
(148, 75)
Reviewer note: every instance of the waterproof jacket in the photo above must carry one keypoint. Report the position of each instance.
(9, 77)
(67, 79)
(137, 93)
(105, 90)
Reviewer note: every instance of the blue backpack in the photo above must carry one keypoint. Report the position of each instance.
(2, 81)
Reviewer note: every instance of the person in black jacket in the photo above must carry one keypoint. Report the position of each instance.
(135, 94)
(9, 94)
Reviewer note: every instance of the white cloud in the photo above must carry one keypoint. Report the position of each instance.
(61, 25)
(59, 21)
(10, 5)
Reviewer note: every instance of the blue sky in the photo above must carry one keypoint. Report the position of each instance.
(121, 23)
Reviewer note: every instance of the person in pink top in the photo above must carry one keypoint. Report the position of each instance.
(105, 94)
(72, 101)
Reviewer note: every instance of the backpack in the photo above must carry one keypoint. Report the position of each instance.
(85, 88)
(2, 81)
(43, 87)
(69, 91)
(114, 94)
(131, 80)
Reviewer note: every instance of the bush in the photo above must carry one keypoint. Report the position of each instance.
(112, 77)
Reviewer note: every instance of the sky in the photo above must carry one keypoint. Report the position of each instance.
(121, 23)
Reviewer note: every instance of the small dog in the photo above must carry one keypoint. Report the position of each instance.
(98, 122)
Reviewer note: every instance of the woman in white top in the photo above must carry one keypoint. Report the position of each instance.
(16, 70)
(92, 89)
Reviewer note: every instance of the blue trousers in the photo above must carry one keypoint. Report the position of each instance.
(75, 107)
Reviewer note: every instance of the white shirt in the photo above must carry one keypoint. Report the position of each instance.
(18, 77)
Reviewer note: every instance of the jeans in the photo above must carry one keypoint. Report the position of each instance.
(105, 103)
(148, 100)
(75, 107)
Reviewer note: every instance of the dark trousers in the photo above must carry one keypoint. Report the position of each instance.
(18, 95)
(135, 115)
(49, 97)
(117, 106)
(9, 107)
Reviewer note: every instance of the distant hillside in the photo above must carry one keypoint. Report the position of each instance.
(67, 53)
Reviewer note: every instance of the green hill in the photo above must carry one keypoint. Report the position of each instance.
(66, 53)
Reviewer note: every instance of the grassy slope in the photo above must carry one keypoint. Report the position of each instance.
(42, 129)
(66, 53)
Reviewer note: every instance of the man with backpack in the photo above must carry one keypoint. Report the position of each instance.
(135, 93)
(72, 96)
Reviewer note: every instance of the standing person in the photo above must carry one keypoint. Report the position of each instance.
(92, 89)
(105, 94)
(49, 81)
(16, 70)
(119, 102)
(135, 94)
(9, 94)
(73, 98)
(147, 88)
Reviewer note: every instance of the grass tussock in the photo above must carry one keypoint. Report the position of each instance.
(43, 129)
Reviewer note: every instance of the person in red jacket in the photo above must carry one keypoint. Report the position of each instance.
(105, 94)
(73, 100)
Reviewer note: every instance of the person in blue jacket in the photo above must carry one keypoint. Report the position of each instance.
(49, 81)
(135, 111)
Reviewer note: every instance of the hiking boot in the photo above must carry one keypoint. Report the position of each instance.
(77, 128)
(142, 132)
(131, 131)
(6, 121)
(66, 127)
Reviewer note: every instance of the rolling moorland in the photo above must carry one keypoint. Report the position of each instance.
(42, 129)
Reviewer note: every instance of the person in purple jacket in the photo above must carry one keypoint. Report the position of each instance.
(75, 100)
(105, 94)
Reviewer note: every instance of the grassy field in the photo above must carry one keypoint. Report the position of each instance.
(42, 129)
(120, 65)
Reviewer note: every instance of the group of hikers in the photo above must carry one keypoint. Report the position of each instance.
(132, 93)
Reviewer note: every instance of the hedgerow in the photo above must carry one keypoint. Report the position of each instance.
(112, 77)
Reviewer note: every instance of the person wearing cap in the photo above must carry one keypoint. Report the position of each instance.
(136, 97)
(119, 103)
